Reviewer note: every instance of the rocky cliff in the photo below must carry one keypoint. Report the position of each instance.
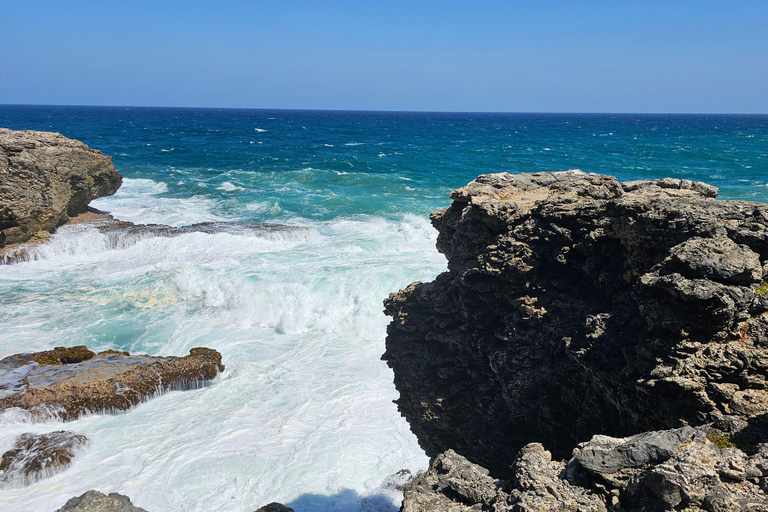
(577, 305)
(44, 179)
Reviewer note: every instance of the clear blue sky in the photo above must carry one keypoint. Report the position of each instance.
(520, 56)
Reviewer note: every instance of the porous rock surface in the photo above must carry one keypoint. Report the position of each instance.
(678, 469)
(94, 501)
(44, 179)
(577, 305)
(36, 456)
(68, 382)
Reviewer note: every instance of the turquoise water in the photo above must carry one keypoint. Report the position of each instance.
(303, 414)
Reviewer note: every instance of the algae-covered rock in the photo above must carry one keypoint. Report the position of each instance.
(36, 456)
(68, 382)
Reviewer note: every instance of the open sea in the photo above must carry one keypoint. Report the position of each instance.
(303, 413)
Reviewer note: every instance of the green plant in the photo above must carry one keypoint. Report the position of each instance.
(762, 288)
(721, 441)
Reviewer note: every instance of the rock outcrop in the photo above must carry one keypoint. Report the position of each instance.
(36, 456)
(94, 501)
(68, 382)
(677, 469)
(45, 178)
(577, 305)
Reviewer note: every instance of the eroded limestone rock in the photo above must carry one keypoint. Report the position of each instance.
(44, 179)
(94, 501)
(68, 382)
(576, 305)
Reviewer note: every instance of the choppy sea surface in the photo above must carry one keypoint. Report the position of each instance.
(303, 413)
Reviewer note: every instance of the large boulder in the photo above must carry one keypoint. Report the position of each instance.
(577, 305)
(45, 178)
(68, 382)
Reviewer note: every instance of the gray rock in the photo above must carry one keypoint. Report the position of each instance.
(36, 456)
(576, 305)
(94, 501)
(694, 476)
(275, 507)
(44, 179)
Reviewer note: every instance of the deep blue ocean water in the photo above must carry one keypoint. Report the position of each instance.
(303, 414)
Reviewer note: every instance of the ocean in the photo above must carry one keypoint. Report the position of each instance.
(304, 412)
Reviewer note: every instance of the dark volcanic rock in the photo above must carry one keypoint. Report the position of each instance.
(36, 456)
(68, 382)
(44, 179)
(94, 501)
(576, 305)
(678, 470)
(275, 507)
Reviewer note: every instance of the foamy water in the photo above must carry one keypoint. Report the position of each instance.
(303, 413)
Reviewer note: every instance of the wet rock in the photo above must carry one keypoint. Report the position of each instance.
(36, 456)
(275, 507)
(122, 234)
(576, 305)
(68, 382)
(45, 178)
(94, 501)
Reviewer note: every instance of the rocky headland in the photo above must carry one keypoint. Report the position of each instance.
(46, 178)
(578, 313)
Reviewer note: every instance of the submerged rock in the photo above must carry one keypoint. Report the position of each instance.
(68, 382)
(576, 305)
(678, 470)
(36, 456)
(122, 234)
(94, 501)
(45, 178)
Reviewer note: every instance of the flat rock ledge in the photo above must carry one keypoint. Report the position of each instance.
(69, 382)
(94, 501)
(576, 305)
(680, 470)
(122, 234)
(46, 178)
(37, 456)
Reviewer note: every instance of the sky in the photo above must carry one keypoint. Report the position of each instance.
(676, 56)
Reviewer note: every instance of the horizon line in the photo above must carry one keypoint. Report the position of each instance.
(374, 111)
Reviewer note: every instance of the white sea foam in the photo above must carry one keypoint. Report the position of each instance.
(260, 130)
(304, 412)
(228, 186)
(141, 201)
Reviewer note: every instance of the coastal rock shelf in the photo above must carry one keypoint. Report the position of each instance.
(577, 305)
(46, 178)
(122, 234)
(69, 382)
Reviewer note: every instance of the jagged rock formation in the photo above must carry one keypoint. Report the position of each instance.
(576, 305)
(663, 470)
(36, 456)
(68, 382)
(44, 179)
(94, 501)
